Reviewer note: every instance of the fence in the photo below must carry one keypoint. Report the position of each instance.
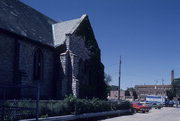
(12, 104)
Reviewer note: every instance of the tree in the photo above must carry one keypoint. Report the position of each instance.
(176, 87)
(175, 90)
(131, 89)
(107, 78)
(127, 93)
(170, 94)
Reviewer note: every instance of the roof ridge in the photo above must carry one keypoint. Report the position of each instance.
(21, 2)
(65, 27)
(76, 26)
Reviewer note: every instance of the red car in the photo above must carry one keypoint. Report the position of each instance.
(139, 107)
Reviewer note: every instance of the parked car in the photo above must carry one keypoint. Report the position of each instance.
(138, 107)
(169, 103)
(157, 105)
(147, 104)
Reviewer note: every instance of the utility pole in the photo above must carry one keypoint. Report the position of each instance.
(164, 92)
(156, 87)
(162, 81)
(119, 79)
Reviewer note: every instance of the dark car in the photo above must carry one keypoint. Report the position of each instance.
(169, 103)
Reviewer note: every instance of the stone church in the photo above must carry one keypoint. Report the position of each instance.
(62, 57)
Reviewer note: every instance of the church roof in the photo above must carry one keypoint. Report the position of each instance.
(67, 27)
(23, 20)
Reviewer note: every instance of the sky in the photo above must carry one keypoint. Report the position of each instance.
(145, 33)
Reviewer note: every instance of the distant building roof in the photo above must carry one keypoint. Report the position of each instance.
(18, 18)
(115, 88)
(146, 86)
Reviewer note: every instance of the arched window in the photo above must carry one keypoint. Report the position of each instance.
(38, 65)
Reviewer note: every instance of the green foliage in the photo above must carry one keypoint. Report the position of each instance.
(70, 105)
(94, 105)
(170, 93)
(107, 78)
(122, 105)
(131, 89)
(73, 105)
(44, 116)
(127, 93)
(175, 91)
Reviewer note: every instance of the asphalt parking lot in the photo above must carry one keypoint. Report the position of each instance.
(164, 114)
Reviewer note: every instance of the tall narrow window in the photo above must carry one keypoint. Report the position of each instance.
(38, 65)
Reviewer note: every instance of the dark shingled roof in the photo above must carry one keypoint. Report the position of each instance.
(23, 20)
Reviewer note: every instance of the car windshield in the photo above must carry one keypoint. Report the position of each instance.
(139, 104)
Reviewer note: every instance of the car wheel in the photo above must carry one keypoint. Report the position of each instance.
(135, 111)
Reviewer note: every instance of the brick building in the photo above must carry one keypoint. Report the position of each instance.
(160, 90)
(144, 90)
(114, 95)
(63, 57)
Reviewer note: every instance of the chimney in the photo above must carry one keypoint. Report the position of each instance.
(172, 75)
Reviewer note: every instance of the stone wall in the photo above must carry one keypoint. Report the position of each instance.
(66, 77)
(87, 69)
(7, 54)
(26, 60)
(90, 69)
(74, 67)
(78, 47)
(70, 61)
(16, 64)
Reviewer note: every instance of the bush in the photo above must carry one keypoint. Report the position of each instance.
(72, 105)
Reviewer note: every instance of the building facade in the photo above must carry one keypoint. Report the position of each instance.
(114, 95)
(144, 90)
(62, 57)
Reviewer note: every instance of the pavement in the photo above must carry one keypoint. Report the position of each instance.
(164, 114)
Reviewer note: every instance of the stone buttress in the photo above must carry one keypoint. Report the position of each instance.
(69, 61)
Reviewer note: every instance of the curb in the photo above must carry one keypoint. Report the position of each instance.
(81, 116)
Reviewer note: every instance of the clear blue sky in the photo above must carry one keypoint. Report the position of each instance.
(146, 33)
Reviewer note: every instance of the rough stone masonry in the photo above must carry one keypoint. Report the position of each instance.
(63, 57)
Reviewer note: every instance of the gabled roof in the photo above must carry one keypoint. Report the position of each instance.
(18, 18)
(23, 20)
(67, 27)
